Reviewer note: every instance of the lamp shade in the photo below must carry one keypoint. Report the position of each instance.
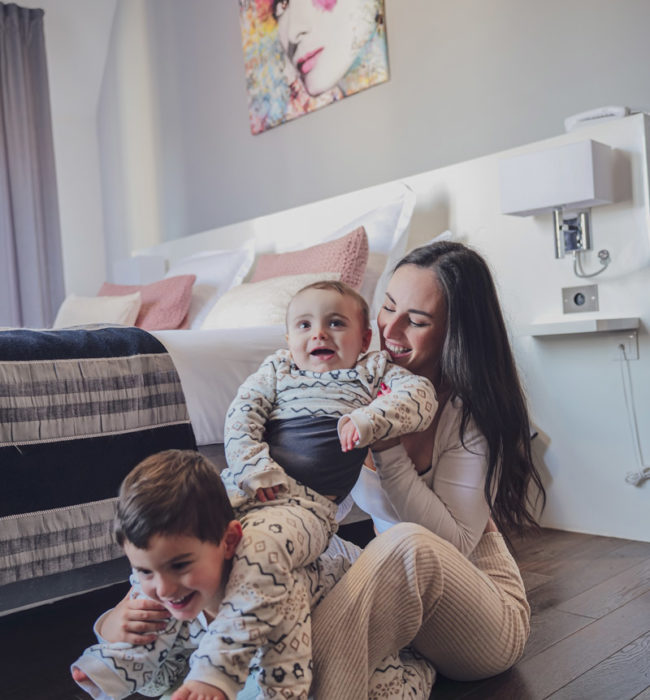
(574, 176)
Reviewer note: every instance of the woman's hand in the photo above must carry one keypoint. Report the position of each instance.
(491, 526)
(134, 620)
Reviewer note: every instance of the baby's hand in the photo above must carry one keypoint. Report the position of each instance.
(195, 690)
(349, 436)
(267, 494)
(134, 620)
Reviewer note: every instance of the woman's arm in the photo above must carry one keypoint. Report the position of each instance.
(449, 499)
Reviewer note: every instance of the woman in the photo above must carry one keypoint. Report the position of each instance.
(446, 584)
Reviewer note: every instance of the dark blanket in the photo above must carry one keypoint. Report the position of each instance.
(79, 409)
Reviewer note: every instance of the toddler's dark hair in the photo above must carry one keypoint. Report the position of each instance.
(175, 492)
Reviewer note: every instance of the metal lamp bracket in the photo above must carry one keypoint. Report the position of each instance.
(572, 232)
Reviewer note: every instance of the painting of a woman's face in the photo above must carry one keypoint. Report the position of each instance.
(301, 55)
(322, 38)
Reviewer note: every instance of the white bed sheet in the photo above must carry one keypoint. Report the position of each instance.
(212, 364)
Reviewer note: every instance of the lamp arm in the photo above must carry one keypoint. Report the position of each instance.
(603, 257)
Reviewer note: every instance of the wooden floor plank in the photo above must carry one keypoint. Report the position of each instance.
(550, 670)
(610, 594)
(546, 546)
(622, 676)
(583, 568)
(551, 626)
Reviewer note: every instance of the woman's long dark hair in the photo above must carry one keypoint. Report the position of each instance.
(478, 367)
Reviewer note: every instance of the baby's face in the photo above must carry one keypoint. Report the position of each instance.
(325, 330)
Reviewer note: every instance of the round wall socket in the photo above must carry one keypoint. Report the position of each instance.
(578, 299)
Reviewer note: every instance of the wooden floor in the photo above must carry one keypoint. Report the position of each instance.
(590, 637)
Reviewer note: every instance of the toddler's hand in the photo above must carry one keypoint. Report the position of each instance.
(78, 675)
(195, 690)
(349, 436)
(267, 494)
(134, 620)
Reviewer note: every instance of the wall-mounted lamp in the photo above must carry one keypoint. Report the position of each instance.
(566, 180)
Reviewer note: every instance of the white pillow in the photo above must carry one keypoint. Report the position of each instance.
(216, 272)
(79, 311)
(387, 228)
(260, 303)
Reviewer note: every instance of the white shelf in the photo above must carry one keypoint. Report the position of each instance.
(566, 326)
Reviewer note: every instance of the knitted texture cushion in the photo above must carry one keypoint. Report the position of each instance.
(347, 255)
(164, 303)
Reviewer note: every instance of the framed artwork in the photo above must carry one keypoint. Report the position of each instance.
(301, 55)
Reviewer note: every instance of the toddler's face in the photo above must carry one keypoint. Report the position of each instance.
(325, 330)
(183, 573)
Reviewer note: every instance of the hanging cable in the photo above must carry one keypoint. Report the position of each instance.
(603, 257)
(634, 478)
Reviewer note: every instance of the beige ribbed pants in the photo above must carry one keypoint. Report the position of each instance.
(469, 617)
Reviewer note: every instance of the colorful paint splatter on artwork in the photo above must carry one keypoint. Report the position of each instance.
(325, 4)
(300, 55)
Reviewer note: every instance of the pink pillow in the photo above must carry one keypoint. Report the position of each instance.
(347, 255)
(164, 303)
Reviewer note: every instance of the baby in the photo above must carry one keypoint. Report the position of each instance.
(296, 436)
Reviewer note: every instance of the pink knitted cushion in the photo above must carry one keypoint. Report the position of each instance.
(347, 255)
(164, 303)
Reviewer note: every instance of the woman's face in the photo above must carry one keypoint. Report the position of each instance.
(322, 38)
(413, 320)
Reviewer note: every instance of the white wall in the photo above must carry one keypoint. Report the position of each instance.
(467, 79)
(176, 155)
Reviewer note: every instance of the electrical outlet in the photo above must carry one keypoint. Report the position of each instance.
(579, 299)
(630, 343)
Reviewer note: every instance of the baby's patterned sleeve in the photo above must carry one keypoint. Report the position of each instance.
(408, 406)
(250, 465)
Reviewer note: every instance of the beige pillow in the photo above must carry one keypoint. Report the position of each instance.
(260, 303)
(79, 311)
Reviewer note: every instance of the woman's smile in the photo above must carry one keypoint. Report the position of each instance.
(396, 350)
(413, 320)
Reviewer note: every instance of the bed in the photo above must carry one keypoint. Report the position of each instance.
(209, 318)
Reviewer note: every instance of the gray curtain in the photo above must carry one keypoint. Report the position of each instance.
(31, 266)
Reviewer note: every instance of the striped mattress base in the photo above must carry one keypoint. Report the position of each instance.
(79, 408)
